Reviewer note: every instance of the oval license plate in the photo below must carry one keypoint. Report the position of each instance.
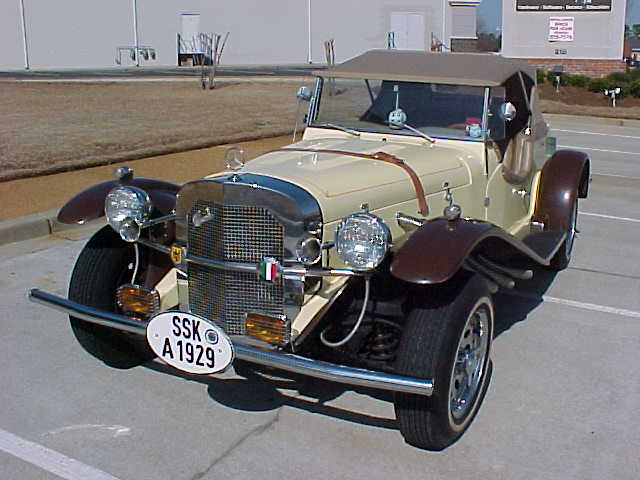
(189, 343)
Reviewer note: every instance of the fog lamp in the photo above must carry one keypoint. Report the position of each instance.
(129, 230)
(309, 250)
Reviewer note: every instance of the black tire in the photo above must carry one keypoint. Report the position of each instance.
(99, 270)
(443, 320)
(562, 258)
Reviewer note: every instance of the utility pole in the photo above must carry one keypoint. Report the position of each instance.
(24, 36)
(309, 58)
(135, 32)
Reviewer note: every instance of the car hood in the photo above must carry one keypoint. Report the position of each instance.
(341, 183)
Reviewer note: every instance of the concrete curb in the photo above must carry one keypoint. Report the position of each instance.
(35, 225)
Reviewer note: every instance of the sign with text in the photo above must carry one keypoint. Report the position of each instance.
(562, 5)
(561, 29)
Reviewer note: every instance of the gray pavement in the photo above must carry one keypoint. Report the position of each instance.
(562, 403)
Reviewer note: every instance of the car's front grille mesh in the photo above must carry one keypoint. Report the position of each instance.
(233, 233)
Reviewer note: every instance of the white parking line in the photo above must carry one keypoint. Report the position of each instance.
(583, 305)
(615, 175)
(598, 149)
(611, 217)
(49, 460)
(594, 133)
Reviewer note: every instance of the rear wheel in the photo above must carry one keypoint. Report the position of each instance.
(103, 265)
(448, 339)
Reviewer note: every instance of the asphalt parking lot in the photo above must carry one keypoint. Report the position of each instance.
(562, 403)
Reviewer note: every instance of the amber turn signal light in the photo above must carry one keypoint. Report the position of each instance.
(274, 330)
(138, 300)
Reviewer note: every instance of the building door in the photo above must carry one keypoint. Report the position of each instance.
(408, 30)
(190, 33)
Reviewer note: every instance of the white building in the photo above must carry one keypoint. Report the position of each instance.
(584, 36)
(93, 34)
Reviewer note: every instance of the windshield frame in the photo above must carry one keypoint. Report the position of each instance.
(314, 108)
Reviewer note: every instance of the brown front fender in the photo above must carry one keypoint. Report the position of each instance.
(437, 250)
(89, 204)
(565, 175)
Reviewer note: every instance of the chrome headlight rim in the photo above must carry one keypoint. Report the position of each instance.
(126, 206)
(383, 237)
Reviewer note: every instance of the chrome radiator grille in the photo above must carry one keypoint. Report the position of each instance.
(236, 234)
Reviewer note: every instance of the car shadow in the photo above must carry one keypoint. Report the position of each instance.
(258, 389)
(513, 306)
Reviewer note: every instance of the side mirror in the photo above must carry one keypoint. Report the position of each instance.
(508, 111)
(304, 94)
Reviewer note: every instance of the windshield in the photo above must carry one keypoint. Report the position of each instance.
(438, 110)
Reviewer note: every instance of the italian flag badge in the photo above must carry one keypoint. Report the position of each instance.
(268, 269)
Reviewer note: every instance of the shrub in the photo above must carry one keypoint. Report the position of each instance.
(579, 81)
(619, 77)
(540, 76)
(633, 88)
(601, 84)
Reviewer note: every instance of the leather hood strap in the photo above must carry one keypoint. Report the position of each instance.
(423, 207)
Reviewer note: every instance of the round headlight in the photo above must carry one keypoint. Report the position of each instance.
(125, 205)
(362, 240)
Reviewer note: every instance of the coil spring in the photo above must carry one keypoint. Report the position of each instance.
(382, 342)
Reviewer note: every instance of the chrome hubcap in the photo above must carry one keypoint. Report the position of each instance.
(470, 363)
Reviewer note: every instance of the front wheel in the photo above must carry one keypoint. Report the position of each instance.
(103, 265)
(448, 339)
(562, 258)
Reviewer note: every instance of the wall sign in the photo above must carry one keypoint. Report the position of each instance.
(562, 5)
(561, 29)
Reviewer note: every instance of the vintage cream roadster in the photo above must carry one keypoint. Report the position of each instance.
(367, 253)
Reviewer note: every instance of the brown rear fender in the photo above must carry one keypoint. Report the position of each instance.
(89, 204)
(437, 250)
(565, 176)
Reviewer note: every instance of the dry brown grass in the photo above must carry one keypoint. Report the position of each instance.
(50, 127)
(578, 101)
(53, 127)
(551, 106)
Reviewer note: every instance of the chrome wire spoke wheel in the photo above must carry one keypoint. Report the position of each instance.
(449, 343)
(563, 256)
(470, 363)
(571, 232)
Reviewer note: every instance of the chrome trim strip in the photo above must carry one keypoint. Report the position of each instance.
(166, 218)
(156, 246)
(250, 267)
(335, 373)
(283, 361)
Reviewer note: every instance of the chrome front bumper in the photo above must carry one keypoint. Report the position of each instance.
(283, 361)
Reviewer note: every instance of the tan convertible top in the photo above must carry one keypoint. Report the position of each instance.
(418, 66)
